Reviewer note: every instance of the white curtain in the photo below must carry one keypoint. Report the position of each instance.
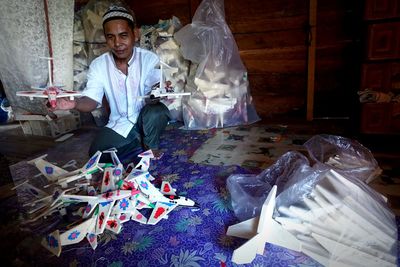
(24, 39)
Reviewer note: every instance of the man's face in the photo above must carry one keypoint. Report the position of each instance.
(120, 38)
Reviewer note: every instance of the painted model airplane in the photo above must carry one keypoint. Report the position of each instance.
(122, 194)
(51, 91)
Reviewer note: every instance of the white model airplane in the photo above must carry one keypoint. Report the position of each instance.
(260, 230)
(59, 176)
(163, 89)
(51, 91)
(121, 196)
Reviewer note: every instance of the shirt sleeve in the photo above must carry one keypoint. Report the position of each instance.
(94, 86)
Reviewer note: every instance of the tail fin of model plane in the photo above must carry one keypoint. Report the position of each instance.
(92, 164)
(167, 189)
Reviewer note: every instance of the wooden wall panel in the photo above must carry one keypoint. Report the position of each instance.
(270, 40)
(281, 60)
(337, 57)
(251, 16)
(149, 12)
(271, 37)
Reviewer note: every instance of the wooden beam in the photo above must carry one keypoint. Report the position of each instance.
(311, 59)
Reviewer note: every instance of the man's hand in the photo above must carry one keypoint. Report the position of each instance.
(63, 103)
(82, 104)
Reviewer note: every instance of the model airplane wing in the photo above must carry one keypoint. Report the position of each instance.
(108, 182)
(79, 198)
(267, 230)
(32, 93)
(146, 154)
(148, 189)
(33, 190)
(143, 164)
(138, 217)
(123, 217)
(76, 234)
(54, 241)
(158, 94)
(124, 205)
(247, 252)
(50, 171)
(103, 215)
(43, 94)
(135, 174)
(92, 204)
(114, 224)
(160, 211)
(92, 239)
(51, 93)
(66, 93)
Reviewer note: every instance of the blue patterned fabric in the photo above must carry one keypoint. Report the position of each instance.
(187, 237)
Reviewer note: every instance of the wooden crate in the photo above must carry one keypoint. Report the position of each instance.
(66, 121)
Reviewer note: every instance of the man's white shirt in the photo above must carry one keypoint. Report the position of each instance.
(122, 90)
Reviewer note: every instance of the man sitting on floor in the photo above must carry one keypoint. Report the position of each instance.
(122, 75)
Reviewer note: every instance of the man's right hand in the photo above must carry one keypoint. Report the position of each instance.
(63, 103)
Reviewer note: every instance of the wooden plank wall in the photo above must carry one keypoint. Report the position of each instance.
(338, 58)
(272, 39)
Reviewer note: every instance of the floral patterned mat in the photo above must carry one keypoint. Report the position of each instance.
(248, 146)
(186, 238)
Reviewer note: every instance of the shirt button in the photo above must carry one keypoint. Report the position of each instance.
(123, 114)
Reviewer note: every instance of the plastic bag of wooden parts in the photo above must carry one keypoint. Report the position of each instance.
(339, 220)
(248, 192)
(220, 94)
(344, 155)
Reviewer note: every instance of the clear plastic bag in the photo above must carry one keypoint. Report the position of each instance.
(220, 95)
(248, 192)
(339, 220)
(344, 155)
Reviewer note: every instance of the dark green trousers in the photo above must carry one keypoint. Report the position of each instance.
(152, 120)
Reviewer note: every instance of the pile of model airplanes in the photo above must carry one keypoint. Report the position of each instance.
(123, 192)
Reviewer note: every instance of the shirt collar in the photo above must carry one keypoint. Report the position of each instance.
(130, 61)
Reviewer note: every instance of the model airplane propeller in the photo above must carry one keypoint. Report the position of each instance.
(51, 91)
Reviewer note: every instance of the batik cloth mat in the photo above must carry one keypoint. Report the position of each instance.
(248, 146)
(187, 237)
